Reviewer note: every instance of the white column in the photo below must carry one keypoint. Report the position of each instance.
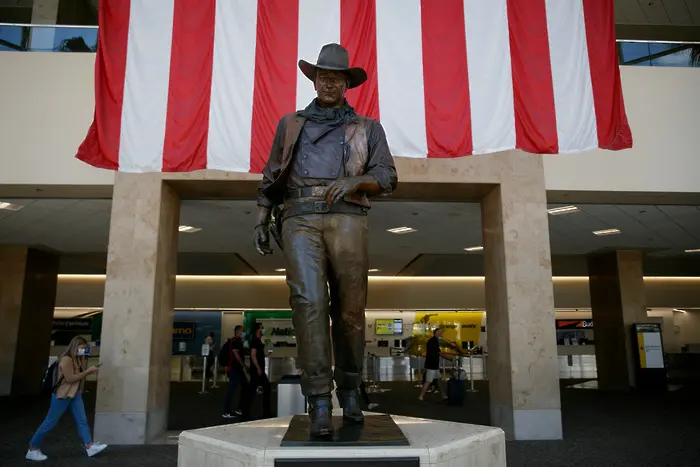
(133, 390)
(523, 371)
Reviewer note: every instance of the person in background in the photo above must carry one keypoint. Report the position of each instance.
(68, 385)
(236, 371)
(433, 385)
(257, 374)
(432, 364)
(210, 359)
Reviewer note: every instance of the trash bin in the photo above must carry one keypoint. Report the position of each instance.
(290, 400)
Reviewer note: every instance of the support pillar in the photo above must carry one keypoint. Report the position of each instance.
(43, 12)
(618, 300)
(134, 382)
(27, 299)
(522, 364)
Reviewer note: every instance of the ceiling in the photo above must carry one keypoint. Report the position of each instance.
(80, 229)
(658, 12)
(16, 3)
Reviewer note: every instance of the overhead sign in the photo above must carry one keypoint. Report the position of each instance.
(457, 327)
(574, 323)
(183, 330)
(72, 324)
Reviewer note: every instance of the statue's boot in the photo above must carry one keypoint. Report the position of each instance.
(348, 400)
(321, 415)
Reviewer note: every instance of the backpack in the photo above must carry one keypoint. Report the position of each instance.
(49, 383)
(225, 354)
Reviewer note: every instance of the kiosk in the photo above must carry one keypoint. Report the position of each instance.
(650, 364)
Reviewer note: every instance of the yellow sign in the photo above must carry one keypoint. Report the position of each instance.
(458, 327)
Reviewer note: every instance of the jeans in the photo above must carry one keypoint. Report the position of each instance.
(256, 381)
(56, 410)
(235, 378)
(326, 259)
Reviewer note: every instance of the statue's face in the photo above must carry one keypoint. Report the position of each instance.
(330, 88)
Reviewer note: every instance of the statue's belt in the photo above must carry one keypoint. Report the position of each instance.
(308, 192)
(298, 208)
(321, 207)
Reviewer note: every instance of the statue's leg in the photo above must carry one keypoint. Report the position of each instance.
(306, 259)
(346, 238)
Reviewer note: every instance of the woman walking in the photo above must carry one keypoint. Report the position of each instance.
(68, 386)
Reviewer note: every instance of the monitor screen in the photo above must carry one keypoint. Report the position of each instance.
(388, 327)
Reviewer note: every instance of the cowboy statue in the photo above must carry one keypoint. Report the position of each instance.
(325, 162)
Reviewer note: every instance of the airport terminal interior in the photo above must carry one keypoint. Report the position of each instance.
(618, 325)
(433, 248)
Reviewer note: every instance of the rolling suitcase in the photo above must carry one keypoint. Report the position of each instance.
(456, 390)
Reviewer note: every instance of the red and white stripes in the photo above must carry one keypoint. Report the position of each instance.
(184, 85)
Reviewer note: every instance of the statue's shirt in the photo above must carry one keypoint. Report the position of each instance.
(306, 153)
(318, 155)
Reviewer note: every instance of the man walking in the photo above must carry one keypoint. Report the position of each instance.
(257, 374)
(432, 364)
(325, 162)
(231, 355)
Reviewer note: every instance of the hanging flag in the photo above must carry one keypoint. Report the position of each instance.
(183, 85)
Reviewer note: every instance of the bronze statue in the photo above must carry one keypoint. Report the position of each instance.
(325, 163)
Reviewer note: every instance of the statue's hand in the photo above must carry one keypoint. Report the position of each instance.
(262, 240)
(341, 188)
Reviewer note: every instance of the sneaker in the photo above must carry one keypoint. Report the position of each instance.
(238, 412)
(372, 405)
(35, 455)
(227, 415)
(95, 449)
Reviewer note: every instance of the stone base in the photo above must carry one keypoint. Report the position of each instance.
(432, 443)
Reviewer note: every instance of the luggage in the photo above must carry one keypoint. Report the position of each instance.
(49, 382)
(456, 390)
(225, 353)
(290, 400)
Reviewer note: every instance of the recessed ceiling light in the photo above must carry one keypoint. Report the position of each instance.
(373, 270)
(606, 232)
(280, 270)
(188, 229)
(694, 250)
(474, 248)
(562, 210)
(401, 230)
(9, 206)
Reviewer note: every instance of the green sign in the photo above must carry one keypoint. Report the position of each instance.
(250, 317)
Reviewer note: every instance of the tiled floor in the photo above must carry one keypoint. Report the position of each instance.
(600, 429)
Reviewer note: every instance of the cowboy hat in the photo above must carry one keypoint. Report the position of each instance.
(334, 57)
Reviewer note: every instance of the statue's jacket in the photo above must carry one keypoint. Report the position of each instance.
(364, 151)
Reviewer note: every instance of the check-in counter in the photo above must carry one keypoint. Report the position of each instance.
(181, 368)
(576, 363)
(410, 368)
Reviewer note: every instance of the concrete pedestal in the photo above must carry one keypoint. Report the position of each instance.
(432, 443)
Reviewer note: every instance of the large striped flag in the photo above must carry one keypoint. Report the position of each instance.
(183, 85)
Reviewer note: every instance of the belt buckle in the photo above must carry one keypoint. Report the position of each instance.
(318, 191)
(321, 207)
